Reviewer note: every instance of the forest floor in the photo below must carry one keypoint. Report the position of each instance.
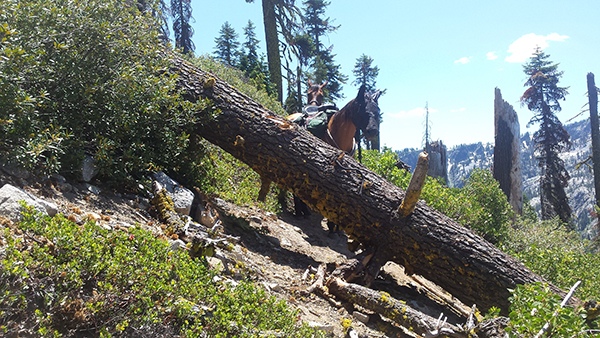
(277, 251)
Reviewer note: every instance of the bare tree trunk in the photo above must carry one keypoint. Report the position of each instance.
(272, 41)
(426, 242)
(593, 101)
(507, 163)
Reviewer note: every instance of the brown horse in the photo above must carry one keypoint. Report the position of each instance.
(314, 95)
(361, 113)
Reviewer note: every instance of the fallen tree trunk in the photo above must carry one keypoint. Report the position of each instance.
(425, 242)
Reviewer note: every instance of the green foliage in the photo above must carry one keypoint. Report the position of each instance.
(254, 66)
(226, 45)
(181, 11)
(60, 277)
(480, 205)
(79, 77)
(236, 78)
(533, 305)
(234, 181)
(543, 97)
(556, 254)
(365, 72)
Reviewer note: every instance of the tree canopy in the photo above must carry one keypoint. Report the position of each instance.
(181, 11)
(226, 45)
(542, 97)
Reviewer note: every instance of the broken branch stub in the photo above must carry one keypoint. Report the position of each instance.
(413, 192)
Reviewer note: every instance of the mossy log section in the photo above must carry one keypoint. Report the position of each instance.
(398, 311)
(426, 242)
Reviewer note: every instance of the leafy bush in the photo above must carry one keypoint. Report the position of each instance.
(533, 305)
(480, 205)
(556, 254)
(88, 77)
(60, 278)
(236, 79)
(235, 182)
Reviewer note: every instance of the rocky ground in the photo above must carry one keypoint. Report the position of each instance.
(281, 252)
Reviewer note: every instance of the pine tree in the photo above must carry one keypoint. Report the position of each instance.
(323, 66)
(304, 50)
(593, 106)
(365, 72)
(226, 48)
(542, 98)
(253, 65)
(181, 11)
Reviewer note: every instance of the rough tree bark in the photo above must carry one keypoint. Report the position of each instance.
(426, 242)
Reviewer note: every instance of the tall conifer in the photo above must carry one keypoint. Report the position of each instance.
(181, 10)
(324, 67)
(226, 48)
(542, 98)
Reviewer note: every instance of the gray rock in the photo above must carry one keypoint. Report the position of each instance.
(320, 326)
(177, 245)
(286, 242)
(181, 196)
(11, 208)
(361, 317)
(16, 171)
(88, 168)
(93, 189)
(59, 179)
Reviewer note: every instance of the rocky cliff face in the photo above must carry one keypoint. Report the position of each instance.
(464, 158)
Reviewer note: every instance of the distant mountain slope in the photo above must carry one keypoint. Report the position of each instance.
(464, 158)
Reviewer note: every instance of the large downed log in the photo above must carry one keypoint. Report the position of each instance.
(425, 242)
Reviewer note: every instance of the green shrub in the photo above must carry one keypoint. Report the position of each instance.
(235, 182)
(533, 305)
(60, 278)
(480, 205)
(556, 254)
(88, 77)
(236, 79)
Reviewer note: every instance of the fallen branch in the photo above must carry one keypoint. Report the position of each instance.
(318, 284)
(398, 311)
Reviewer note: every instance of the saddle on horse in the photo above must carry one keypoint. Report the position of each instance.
(315, 118)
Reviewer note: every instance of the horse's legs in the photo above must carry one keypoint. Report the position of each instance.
(332, 227)
(300, 207)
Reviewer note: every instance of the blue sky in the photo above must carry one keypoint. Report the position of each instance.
(449, 54)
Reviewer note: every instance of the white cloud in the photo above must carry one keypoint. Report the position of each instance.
(463, 60)
(411, 113)
(457, 110)
(492, 56)
(523, 47)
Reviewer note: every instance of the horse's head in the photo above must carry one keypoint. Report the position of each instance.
(367, 118)
(314, 95)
